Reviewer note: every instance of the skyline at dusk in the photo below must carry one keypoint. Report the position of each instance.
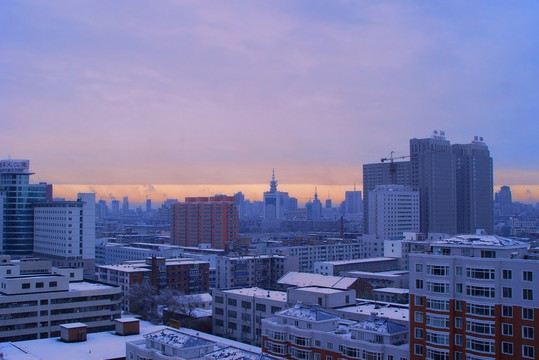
(176, 99)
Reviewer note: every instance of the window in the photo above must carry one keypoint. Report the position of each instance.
(437, 304)
(480, 327)
(418, 333)
(438, 321)
(437, 354)
(317, 356)
(261, 307)
(219, 299)
(419, 284)
(480, 291)
(53, 284)
(441, 288)
(232, 302)
(507, 274)
(479, 273)
(437, 338)
(274, 309)
(507, 348)
(479, 309)
(527, 332)
(458, 305)
(329, 346)
(232, 314)
(527, 314)
(458, 271)
(418, 267)
(438, 270)
(507, 292)
(458, 339)
(527, 294)
(458, 322)
(507, 329)
(528, 352)
(26, 285)
(245, 305)
(507, 311)
(458, 287)
(418, 349)
(480, 345)
(418, 316)
(418, 300)
(527, 276)
(219, 311)
(488, 254)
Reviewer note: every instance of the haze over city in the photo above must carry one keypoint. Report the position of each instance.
(171, 99)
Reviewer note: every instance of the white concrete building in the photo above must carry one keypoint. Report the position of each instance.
(336, 268)
(64, 231)
(34, 306)
(237, 314)
(115, 253)
(393, 209)
(309, 333)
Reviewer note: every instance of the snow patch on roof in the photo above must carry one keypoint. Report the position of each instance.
(310, 313)
(177, 339)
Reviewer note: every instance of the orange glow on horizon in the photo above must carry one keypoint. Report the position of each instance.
(253, 192)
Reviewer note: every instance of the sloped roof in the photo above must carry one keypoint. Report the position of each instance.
(301, 279)
(311, 313)
(233, 353)
(380, 325)
(177, 339)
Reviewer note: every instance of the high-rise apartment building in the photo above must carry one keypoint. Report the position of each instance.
(204, 220)
(18, 213)
(505, 201)
(474, 297)
(352, 203)
(64, 231)
(433, 174)
(474, 180)
(386, 173)
(394, 209)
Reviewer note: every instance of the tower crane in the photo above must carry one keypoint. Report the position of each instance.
(392, 164)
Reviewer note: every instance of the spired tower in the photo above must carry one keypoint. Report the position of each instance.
(275, 202)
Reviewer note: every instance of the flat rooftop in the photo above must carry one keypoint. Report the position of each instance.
(320, 290)
(480, 241)
(382, 310)
(259, 293)
(359, 261)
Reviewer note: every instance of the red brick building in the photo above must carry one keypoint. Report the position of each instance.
(205, 220)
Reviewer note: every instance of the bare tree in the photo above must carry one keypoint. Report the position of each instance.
(142, 299)
(179, 303)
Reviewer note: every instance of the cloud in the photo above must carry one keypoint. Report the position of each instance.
(187, 92)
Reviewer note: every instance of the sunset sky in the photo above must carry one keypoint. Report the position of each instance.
(175, 98)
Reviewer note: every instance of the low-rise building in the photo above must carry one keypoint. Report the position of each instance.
(237, 314)
(335, 268)
(34, 306)
(253, 271)
(308, 332)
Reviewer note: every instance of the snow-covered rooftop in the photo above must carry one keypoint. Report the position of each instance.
(301, 279)
(84, 285)
(380, 325)
(177, 339)
(358, 261)
(387, 311)
(392, 290)
(479, 240)
(259, 293)
(320, 290)
(310, 313)
(233, 353)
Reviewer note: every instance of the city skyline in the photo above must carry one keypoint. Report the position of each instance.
(209, 98)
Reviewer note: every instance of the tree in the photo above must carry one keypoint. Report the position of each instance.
(142, 299)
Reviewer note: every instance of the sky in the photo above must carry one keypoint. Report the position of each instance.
(176, 98)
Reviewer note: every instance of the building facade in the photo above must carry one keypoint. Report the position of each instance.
(386, 173)
(433, 174)
(393, 209)
(474, 297)
(204, 220)
(18, 213)
(474, 180)
(34, 306)
(310, 333)
(64, 231)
